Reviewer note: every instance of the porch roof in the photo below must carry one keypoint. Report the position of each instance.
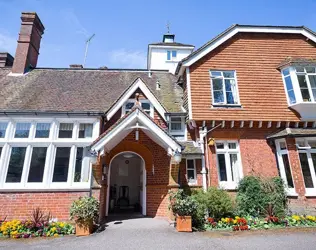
(293, 132)
(135, 119)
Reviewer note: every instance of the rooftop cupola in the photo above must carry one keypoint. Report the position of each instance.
(168, 38)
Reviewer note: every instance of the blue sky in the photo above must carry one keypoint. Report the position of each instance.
(124, 28)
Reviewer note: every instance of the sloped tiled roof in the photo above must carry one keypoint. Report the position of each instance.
(74, 90)
(172, 44)
(293, 132)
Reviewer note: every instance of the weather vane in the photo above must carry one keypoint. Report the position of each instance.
(168, 27)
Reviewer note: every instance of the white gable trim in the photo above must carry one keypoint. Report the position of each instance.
(234, 31)
(142, 86)
(128, 124)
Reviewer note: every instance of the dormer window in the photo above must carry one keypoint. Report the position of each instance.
(171, 55)
(300, 83)
(146, 107)
(177, 128)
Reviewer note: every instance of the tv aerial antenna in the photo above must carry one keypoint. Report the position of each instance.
(86, 52)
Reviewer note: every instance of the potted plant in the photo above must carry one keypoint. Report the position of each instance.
(183, 208)
(84, 211)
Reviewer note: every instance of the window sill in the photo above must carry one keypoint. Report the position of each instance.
(291, 193)
(226, 106)
(310, 193)
(33, 189)
(192, 184)
(228, 186)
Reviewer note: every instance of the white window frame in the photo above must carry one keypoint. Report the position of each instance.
(181, 132)
(280, 152)
(172, 58)
(296, 86)
(229, 184)
(51, 143)
(308, 150)
(224, 89)
(141, 101)
(191, 182)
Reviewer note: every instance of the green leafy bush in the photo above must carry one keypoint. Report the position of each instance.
(84, 210)
(216, 202)
(261, 197)
(182, 204)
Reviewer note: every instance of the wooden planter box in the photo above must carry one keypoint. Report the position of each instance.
(84, 229)
(184, 224)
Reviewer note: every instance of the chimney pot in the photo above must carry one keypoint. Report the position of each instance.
(30, 36)
(76, 66)
(6, 60)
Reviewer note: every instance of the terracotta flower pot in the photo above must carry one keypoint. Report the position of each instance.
(84, 229)
(184, 224)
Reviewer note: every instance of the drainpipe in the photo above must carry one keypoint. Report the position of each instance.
(203, 144)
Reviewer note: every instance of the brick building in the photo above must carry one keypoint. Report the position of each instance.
(242, 104)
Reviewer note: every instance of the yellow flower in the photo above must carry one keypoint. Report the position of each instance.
(235, 221)
(53, 229)
(237, 217)
(223, 220)
(56, 235)
(296, 217)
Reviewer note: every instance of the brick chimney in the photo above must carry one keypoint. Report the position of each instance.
(27, 51)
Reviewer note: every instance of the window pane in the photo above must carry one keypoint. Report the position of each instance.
(292, 97)
(191, 175)
(129, 105)
(288, 83)
(22, 130)
(313, 155)
(16, 164)
(220, 145)
(222, 167)
(168, 55)
(65, 130)
(229, 74)
(218, 96)
(299, 69)
(190, 164)
(37, 165)
(216, 73)
(286, 72)
(174, 53)
(282, 145)
(287, 171)
(3, 128)
(175, 126)
(306, 171)
(302, 81)
(234, 167)
(145, 105)
(1, 151)
(61, 165)
(310, 69)
(85, 130)
(230, 98)
(78, 167)
(312, 144)
(42, 130)
(232, 145)
(217, 84)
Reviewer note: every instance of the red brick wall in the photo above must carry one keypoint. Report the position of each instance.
(257, 157)
(20, 205)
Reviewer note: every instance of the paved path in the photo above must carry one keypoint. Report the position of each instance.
(146, 233)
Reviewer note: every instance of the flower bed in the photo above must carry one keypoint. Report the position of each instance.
(249, 222)
(27, 228)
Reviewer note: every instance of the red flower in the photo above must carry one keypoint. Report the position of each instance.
(210, 220)
(235, 228)
(242, 221)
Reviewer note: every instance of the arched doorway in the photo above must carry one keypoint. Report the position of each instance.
(126, 180)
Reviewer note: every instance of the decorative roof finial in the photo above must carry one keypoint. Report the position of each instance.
(168, 27)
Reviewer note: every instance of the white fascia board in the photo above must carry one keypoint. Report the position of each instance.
(137, 116)
(142, 86)
(281, 30)
(189, 93)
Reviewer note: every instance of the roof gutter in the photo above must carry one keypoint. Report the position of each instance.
(50, 113)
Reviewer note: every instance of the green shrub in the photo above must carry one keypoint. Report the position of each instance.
(84, 209)
(261, 197)
(216, 202)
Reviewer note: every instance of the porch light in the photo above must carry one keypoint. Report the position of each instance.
(128, 155)
(177, 157)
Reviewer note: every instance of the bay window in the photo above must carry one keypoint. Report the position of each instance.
(307, 156)
(224, 87)
(46, 153)
(177, 128)
(300, 84)
(284, 166)
(228, 164)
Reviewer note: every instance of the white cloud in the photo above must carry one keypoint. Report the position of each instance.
(7, 43)
(123, 58)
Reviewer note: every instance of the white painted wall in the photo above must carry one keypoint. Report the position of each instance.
(158, 58)
(132, 179)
